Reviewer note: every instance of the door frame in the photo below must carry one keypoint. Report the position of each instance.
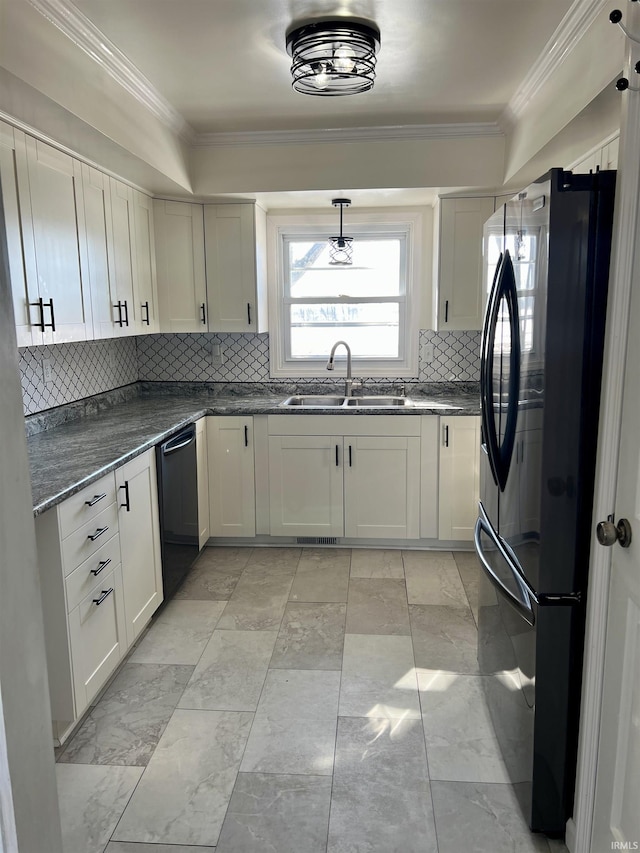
(626, 219)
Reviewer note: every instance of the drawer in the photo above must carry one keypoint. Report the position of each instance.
(82, 580)
(80, 545)
(85, 505)
(97, 637)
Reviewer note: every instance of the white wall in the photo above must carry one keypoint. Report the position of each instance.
(27, 771)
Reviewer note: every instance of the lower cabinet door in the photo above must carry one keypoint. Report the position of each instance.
(232, 494)
(137, 497)
(305, 485)
(97, 635)
(382, 487)
(459, 477)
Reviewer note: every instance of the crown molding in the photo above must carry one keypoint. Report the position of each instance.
(571, 29)
(352, 134)
(83, 33)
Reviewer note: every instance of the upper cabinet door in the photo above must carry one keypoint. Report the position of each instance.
(234, 241)
(23, 290)
(459, 277)
(145, 289)
(96, 245)
(126, 313)
(51, 212)
(182, 289)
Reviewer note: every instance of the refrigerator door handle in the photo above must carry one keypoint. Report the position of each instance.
(489, 436)
(508, 290)
(523, 602)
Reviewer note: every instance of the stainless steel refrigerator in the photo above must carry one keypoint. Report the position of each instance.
(546, 266)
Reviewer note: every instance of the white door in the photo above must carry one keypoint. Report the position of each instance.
(96, 249)
(145, 289)
(51, 210)
(231, 476)
(125, 311)
(459, 477)
(382, 487)
(137, 497)
(231, 267)
(616, 815)
(182, 287)
(305, 485)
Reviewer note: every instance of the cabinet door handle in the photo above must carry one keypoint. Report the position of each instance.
(96, 499)
(350, 457)
(101, 565)
(52, 324)
(126, 503)
(246, 436)
(119, 321)
(249, 313)
(40, 305)
(105, 593)
(98, 533)
(145, 307)
(126, 313)
(446, 311)
(203, 314)
(337, 458)
(446, 435)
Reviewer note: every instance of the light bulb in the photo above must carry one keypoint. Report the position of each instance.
(343, 60)
(321, 78)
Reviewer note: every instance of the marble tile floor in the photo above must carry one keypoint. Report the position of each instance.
(299, 701)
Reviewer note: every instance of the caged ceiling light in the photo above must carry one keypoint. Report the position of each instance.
(334, 57)
(341, 248)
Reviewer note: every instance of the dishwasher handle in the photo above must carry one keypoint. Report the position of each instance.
(183, 439)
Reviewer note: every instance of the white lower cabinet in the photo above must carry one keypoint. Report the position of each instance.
(97, 636)
(363, 482)
(202, 465)
(306, 485)
(101, 580)
(139, 541)
(459, 477)
(232, 502)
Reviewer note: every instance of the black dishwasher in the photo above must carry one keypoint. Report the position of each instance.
(178, 499)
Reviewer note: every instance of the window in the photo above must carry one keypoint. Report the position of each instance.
(371, 304)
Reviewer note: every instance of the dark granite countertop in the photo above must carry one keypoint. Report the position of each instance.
(67, 457)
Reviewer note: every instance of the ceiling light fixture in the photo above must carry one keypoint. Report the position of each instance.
(334, 57)
(341, 248)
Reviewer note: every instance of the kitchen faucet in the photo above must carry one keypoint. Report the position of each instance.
(348, 385)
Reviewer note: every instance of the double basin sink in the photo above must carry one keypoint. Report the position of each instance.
(333, 402)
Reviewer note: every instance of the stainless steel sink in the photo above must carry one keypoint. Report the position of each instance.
(329, 401)
(320, 402)
(378, 402)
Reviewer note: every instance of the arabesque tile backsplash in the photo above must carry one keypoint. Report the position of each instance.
(82, 369)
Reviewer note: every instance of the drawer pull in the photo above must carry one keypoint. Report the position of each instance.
(105, 593)
(95, 499)
(98, 533)
(101, 565)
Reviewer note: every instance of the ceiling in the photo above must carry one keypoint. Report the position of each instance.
(223, 66)
(213, 111)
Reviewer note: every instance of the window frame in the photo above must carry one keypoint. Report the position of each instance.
(282, 228)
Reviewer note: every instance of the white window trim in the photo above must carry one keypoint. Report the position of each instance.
(278, 225)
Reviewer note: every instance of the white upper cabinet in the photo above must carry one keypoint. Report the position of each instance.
(96, 250)
(51, 218)
(145, 286)
(604, 157)
(458, 297)
(182, 288)
(125, 315)
(22, 297)
(235, 244)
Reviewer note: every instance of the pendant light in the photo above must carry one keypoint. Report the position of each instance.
(333, 57)
(341, 248)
